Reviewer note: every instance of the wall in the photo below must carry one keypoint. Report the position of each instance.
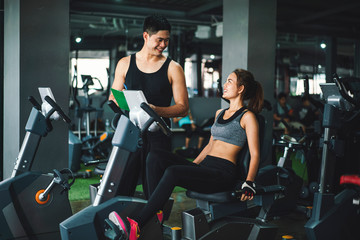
(36, 54)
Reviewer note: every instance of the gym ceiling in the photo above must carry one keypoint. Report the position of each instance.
(300, 24)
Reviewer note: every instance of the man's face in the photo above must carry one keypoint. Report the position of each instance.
(282, 101)
(306, 103)
(158, 42)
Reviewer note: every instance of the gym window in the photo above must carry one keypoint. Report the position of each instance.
(93, 63)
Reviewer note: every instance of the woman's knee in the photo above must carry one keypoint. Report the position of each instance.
(154, 157)
(171, 174)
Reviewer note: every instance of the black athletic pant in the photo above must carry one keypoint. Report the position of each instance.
(166, 170)
(136, 166)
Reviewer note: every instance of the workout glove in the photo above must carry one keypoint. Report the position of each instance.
(248, 188)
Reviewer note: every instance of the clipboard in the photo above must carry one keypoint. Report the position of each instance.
(120, 99)
(130, 100)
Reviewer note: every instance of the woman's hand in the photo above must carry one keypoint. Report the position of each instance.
(248, 189)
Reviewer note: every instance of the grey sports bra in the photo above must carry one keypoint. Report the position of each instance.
(229, 130)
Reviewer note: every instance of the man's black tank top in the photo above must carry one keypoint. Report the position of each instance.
(156, 86)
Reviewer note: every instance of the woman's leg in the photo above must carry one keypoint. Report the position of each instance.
(195, 177)
(157, 162)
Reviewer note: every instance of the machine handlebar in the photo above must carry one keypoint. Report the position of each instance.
(164, 127)
(58, 109)
(343, 91)
(118, 112)
(114, 107)
(35, 103)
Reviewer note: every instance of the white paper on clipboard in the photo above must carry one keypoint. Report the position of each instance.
(137, 115)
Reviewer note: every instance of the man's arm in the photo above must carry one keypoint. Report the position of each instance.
(181, 107)
(120, 73)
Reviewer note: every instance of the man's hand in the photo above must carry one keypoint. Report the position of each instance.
(152, 106)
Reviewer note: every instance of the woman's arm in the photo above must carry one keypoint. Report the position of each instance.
(204, 152)
(251, 126)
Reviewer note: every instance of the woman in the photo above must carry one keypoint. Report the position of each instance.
(214, 169)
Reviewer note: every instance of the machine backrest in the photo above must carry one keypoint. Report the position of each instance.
(243, 160)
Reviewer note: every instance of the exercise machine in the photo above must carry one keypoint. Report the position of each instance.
(300, 190)
(94, 148)
(89, 222)
(32, 203)
(222, 216)
(352, 181)
(333, 215)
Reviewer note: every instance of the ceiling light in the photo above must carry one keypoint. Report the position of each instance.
(78, 39)
(323, 45)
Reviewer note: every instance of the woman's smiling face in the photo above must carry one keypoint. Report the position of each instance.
(231, 88)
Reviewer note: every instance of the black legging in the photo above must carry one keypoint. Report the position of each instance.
(166, 170)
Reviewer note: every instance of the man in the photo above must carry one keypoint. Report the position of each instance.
(160, 78)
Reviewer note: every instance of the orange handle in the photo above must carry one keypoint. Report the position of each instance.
(37, 197)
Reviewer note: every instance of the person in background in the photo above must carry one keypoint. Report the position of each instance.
(306, 112)
(284, 115)
(191, 128)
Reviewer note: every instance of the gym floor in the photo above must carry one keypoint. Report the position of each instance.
(290, 224)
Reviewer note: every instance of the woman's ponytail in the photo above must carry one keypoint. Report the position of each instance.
(253, 91)
(256, 102)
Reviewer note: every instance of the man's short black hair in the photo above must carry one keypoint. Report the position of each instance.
(155, 23)
(282, 95)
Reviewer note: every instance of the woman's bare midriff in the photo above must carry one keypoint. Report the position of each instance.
(224, 150)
